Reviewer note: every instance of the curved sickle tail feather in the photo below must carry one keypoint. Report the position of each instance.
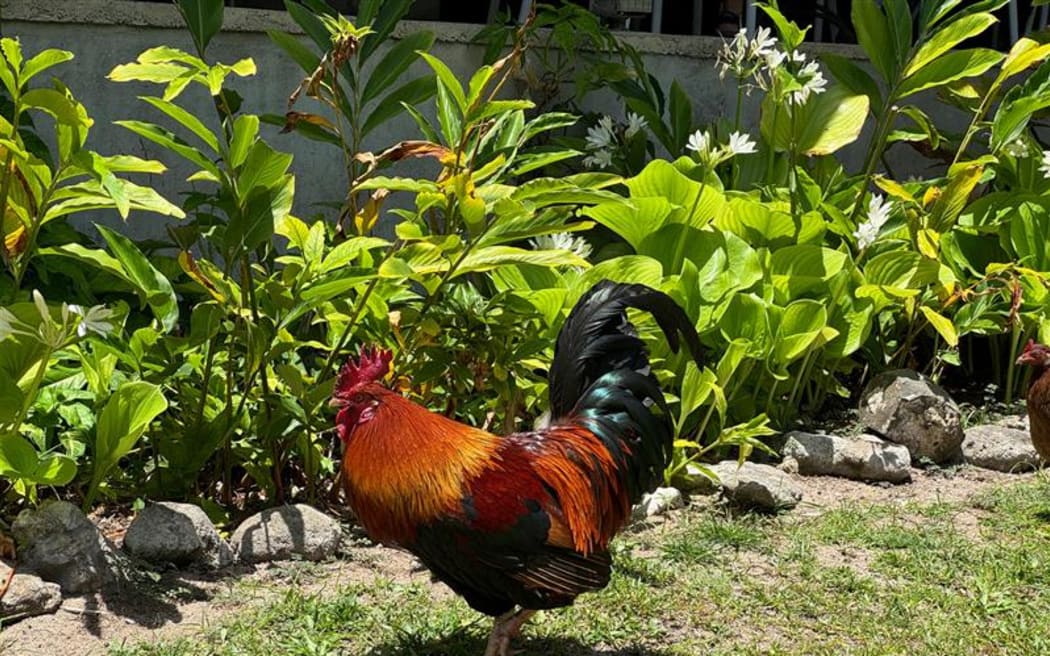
(600, 378)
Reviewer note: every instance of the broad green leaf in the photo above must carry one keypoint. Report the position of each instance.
(58, 105)
(873, 35)
(485, 259)
(797, 270)
(696, 388)
(203, 19)
(448, 80)
(746, 318)
(263, 167)
(954, 196)
(126, 416)
(186, 119)
(245, 130)
(18, 458)
(854, 78)
(825, 124)
(800, 327)
(410, 93)
(162, 137)
(394, 63)
(627, 268)
(43, 61)
(1018, 106)
(160, 73)
(946, 38)
(950, 67)
(151, 284)
(294, 48)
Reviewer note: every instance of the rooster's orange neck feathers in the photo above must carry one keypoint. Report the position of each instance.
(408, 465)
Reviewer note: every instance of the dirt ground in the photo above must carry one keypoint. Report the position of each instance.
(182, 603)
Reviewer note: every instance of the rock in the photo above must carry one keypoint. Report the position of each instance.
(58, 543)
(658, 502)
(178, 533)
(865, 458)
(904, 407)
(758, 487)
(281, 533)
(1000, 448)
(28, 596)
(1020, 422)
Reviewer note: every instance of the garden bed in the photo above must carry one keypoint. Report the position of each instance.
(838, 573)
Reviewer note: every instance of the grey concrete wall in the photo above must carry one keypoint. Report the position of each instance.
(105, 33)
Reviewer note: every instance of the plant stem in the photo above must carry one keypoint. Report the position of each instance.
(1015, 341)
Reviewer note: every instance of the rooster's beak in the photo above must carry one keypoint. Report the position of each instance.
(337, 402)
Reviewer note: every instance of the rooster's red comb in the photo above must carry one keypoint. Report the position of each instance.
(372, 364)
(1029, 347)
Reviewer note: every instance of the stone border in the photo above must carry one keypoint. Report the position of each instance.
(240, 19)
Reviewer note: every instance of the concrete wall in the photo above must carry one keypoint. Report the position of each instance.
(105, 33)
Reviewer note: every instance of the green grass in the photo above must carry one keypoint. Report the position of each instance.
(917, 579)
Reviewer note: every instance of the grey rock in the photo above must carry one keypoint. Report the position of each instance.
(1020, 422)
(758, 487)
(178, 533)
(28, 596)
(285, 532)
(58, 543)
(865, 458)
(658, 502)
(906, 408)
(1000, 448)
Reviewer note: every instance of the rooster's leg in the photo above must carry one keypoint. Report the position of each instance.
(505, 629)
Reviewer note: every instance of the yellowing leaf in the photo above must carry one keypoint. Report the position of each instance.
(942, 324)
(368, 215)
(929, 242)
(894, 189)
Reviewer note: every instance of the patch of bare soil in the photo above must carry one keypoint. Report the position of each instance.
(184, 604)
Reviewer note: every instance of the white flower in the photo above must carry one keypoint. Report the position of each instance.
(96, 319)
(41, 306)
(10, 325)
(763, 43)
(742, 56)
(741, 144)
(562, 241)
(1045, 166)
(700, 143)
(1016, 148)
(811, 79)
(600, 136)
(635, 124)
(878, 214)
(598, 159)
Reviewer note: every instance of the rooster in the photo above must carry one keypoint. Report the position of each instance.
(519, 523)
(1038, 357)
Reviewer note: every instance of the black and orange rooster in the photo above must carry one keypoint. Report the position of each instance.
(519, 523)
(1037, 356)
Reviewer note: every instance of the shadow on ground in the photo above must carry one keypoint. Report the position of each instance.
(463, 645)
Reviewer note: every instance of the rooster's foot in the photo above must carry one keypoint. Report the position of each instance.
(506, 628)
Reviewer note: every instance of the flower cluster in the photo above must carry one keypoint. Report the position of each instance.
(755, 62)
(605, 137)
(1045, 166)
(75, 320)
(878, 214)
(744, 57)
(711, 155)
(562, 241)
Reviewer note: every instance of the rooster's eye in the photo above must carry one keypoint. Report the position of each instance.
(359, 398)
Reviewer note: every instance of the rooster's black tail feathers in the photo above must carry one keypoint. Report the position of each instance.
(600, 377)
